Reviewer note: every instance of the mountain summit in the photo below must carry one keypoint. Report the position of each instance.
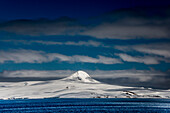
(81, 76)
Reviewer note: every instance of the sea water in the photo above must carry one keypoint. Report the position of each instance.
(86, 105)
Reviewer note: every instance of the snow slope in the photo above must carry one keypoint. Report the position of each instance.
(78, 85)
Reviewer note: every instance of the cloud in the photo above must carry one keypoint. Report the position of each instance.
(153, 53)
(32, 56)
(101, 59)
(120, 24)
(85, 59)
(116, 31)
(144, 59)
(60, 26)
(160, 49)
(79, 43)
(142, 75)
(85, 43)
(36, 73)
(20, 56)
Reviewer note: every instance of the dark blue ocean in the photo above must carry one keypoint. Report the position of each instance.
(86, 105)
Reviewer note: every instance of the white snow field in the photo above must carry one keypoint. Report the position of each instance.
(78, 85)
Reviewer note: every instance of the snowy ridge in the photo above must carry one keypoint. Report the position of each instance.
(78, 85)
(81, 76)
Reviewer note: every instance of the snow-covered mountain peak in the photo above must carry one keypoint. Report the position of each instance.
(81, 76)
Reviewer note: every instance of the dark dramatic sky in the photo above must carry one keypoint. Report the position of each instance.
(124, 42)
(31, 9)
